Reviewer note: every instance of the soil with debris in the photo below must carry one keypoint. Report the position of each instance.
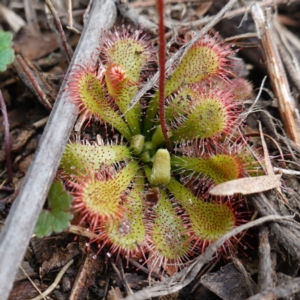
(268, 267)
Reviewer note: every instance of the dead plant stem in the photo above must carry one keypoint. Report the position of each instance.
(6, 139)
(60, 29)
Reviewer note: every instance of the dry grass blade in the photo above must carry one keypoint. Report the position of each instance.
(24, 213)
(268, 163)
(267, 159)
(55, 283)
(183, 278)
(247, 186)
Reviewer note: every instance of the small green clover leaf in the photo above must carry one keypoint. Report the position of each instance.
(58, 217)
(6, 52)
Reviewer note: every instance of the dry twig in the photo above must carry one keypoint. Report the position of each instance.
(31, 81)
(70, 25)
(33, 284)
(31, 18)
(276, 72)
(60, 29)
(265, 263)
(281, 291)
(55, 283)
(232, 13)
(6, 139)
(120, 272)
(287, 236)
(136, 18)
(247, 277)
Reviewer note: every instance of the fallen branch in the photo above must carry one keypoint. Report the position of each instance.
(25, 210)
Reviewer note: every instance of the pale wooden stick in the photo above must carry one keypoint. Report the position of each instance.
(276, 72)
(25, 210)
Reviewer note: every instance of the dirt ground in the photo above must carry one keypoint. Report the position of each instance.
(268, 267)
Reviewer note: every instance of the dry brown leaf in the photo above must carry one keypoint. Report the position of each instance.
(35, 46)
(245, 186)
(23, 136)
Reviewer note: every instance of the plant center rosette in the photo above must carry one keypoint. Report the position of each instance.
(139, 198)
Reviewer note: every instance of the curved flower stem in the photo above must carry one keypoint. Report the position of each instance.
(179, 54)
(162, 71)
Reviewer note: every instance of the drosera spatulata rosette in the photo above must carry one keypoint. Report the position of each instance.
(134, 193)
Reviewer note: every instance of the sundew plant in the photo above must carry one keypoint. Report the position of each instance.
(145, 192)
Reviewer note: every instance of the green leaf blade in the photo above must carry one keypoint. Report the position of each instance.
(6, 52)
